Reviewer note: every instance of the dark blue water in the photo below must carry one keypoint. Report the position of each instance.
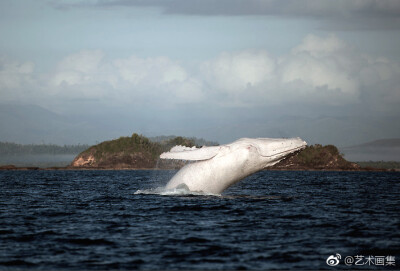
(271, 220)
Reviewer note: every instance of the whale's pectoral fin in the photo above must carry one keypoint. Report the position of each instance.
(203, 153)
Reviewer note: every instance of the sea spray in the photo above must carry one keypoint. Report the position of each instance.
(163, 171)
(179, 191)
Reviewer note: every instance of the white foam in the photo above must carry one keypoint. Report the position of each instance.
(173, 192)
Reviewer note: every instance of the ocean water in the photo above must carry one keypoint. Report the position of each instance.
(101, 220)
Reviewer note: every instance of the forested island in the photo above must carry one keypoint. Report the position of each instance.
(140, 152)
(135, 152)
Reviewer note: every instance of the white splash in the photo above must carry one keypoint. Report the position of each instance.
(178, 191)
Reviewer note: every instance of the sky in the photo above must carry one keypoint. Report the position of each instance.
(83, 71)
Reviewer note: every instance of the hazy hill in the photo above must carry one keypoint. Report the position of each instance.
(8, 148)
(377, 150)
(95, 123)
(27, 124)
(38, 155)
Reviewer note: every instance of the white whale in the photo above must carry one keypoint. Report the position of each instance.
(219, 167)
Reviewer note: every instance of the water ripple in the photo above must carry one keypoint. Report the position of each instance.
(63, 220)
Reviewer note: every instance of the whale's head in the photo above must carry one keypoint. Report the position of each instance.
(273, 150)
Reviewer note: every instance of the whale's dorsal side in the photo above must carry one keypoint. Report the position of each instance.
(192, 154)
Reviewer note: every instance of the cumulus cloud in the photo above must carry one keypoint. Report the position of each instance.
(323, 70)
(160, 77)
(336, 66)
(15, 79)
(321, 66)
(13, 74)
(79, 68)
(345, 13)
(83, 75)
(157, 71)
(320, 46)
(318, 71)
(132, 79)
(235, 72)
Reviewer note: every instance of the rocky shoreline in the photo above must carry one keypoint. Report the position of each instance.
(15, 168)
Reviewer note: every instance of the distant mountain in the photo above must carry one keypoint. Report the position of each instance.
(381, 143)
(377, 150)
(8, 148)
(31, 124)
(38, 155)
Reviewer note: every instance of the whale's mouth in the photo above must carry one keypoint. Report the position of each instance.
(278, 157)
(293, 153)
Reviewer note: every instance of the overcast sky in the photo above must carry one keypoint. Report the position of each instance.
(325, 70)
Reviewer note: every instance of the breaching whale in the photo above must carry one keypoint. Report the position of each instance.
(218, 167)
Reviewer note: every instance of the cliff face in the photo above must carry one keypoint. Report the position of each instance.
(114, 160)
(316, 157)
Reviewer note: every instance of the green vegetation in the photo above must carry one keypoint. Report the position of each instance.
(125, 145)
(168, 144)
(7, 148)
(380, 164)
(318, 156)
(196, 141)
(136, 144)
(136, 151)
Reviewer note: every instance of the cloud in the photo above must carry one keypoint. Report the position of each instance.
(15, 79)
(79, 68)
(235, 72)
(160, 78)
(327, 67)
(377, 14)
(319, 71)
(13, 74)
(128, 80)
(320, 46)
(157, 71)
